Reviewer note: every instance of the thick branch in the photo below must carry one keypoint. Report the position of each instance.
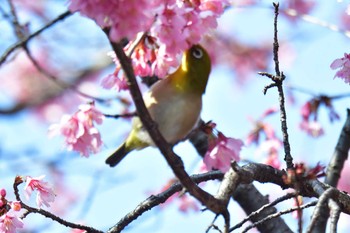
(335, 167)
(320, 210)
(250, 199)
(340, 154)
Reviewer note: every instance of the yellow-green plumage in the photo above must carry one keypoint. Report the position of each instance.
(174, 103)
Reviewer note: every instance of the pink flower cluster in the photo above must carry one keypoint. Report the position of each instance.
(188, 203)
(185, 202)
(222, 152)
(45, 193)
(79, 130)
(221, 149)
(309, 113)
(271, 144)
(301, 6)
(343, 64)
(9, 221)
(125, 18)
(172, 26)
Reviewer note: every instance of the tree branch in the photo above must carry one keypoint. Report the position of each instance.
(340, 154)
(335, 167)
(278, 82)
(257, 207)
(24, 41)
(278, 214)
(174, 161)
(47, 214)
(155, 200)
(320, 210)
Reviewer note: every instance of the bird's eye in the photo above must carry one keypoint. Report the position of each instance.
(197, 53)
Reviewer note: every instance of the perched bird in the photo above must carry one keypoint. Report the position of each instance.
(174, 103)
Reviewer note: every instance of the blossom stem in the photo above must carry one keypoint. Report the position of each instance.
(48, 214)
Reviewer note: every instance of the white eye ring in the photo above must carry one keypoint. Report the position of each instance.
(197, 53)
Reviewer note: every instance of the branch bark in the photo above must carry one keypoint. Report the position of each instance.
(250, 199)
(334, 169)
(174, 161)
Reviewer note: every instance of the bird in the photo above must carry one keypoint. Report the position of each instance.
(174, 103)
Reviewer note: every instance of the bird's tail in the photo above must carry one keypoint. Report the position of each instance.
(117, 155)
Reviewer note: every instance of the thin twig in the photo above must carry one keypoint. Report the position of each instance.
(317, 21)
(155, 200)
(278, 79)
(57, 81)
(48, 214)
(212, 225)
(19, 30)
(24, 41)
(300, 214)
(278, 214)
(259, 211)
(275, 41)
(320, 210)
(125, 115)
(314, 95)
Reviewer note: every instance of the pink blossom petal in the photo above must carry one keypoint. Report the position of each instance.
(45, 193)
(79, 131)
(9, 222)
(343, 64)
(225, 150)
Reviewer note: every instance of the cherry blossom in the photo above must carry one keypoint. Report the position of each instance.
(262, 128)
(125, 18)
(188, 203)
(172, 26)
(343, 66)
(312, 128)
(16, 205)
(301, 7)
(9, 223)
(77, 231)
(273, 160)
(183, 23)
(38, 7)
(222, 152)
(271, 148)
(302, 172)
(45, 193)
(345, 18)
(79, 131)
(309, 113)
(3, 201)
(26, 84)
(3, 192)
